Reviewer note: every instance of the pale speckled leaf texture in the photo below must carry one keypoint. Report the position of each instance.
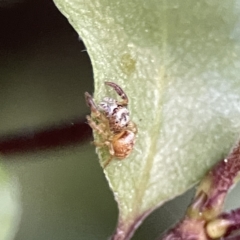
(179, 63)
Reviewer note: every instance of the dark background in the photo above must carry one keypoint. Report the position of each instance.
(44, 68)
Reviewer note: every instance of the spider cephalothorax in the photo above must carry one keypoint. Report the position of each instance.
(111, 120)
(118, 115)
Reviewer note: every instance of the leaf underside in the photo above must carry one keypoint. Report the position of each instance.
(178, 62)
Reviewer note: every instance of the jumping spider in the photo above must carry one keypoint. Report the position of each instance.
(110, 119)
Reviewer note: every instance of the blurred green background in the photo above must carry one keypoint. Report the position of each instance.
(44, 72)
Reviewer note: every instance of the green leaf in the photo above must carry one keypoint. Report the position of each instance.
(179, 63)
(10, 209)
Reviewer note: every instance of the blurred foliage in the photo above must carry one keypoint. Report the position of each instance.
(10, 208)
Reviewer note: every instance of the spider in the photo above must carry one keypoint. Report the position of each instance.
(110, 119)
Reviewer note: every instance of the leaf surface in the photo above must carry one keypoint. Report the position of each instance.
(178, 62)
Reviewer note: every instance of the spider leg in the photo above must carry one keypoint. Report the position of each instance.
(120, 92)
(91, 104)
(107, 144)
(99, 128)
(110, 148)
(132, 127)
(111, 151)
(107, 162)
